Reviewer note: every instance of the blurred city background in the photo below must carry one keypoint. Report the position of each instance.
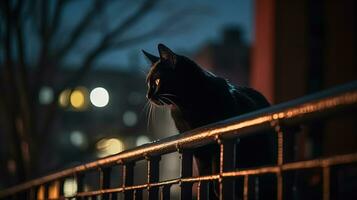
(73, 75)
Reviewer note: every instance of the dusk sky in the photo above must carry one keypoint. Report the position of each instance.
(204, 28)
(194, 31)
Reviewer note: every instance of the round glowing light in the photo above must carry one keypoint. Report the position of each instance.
(77, 98)
(142, 140)
(78, 139)
(99, 97)
(130, 118)
(109, 146)
(45, 95)
(63, 99)
(70, 187)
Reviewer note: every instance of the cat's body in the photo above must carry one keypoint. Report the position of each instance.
(197, 98)
(223, 100)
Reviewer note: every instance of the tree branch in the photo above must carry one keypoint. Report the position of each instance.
(107, 39)
(94, 54)
(23, 87)
(80, 28)
(12, 92)
(57, 16)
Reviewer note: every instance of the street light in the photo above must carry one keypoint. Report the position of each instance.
(99, 97)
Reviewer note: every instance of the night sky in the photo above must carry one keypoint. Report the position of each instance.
(198, 29)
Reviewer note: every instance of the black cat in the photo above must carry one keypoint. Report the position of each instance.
(197, 98)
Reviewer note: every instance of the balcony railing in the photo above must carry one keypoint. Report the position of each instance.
(311, 108)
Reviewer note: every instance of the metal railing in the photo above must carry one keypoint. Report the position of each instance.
(313, 107)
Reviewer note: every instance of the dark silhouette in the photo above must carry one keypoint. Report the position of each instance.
(197, 98)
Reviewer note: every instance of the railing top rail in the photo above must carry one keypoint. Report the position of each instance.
(290, 112)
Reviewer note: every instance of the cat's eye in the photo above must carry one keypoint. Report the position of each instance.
(157, 81)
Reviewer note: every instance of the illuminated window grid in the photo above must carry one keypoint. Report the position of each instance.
(312, 107)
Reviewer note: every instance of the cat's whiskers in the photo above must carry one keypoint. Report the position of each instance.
(172, 95)
(145, 108)
(149, 116)
(155, 112)
(163, 102)
(172, 102)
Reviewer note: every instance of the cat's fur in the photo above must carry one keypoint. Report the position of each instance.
(197, 98)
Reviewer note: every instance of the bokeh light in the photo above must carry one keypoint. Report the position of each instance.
(63, 99)
(99, 97)
(77, 99)
(130, 118)
(78, 139)
(45, 95)
(109, 146)
(143, 139)
(70, 187)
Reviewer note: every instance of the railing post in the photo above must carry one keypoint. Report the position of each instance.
(153, 167)
(33, 193)
(280, 157)
(80, 185)
(186, 171)
(46, 190)
(104, 180)
(138, 195)
(128, 179)
(227, 163)
(61, 184)
(165, 192)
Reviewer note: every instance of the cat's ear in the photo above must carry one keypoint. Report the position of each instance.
(153, 59)
(166, 54)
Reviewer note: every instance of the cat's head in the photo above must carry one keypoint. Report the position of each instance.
(166, 76)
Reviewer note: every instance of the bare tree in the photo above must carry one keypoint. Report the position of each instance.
(21, 79)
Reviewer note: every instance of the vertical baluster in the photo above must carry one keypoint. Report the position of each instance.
(280, 160)
(138, 195)
(61, 184)
(203, 190)
(245, 187)
(186, 171)
(128, 179)
(199, 190)
(165, 192)
(326, 182)
(114, 196)
(46, 188)
(104, 180)
(80, 185)
(227, 163)
(31, 194)
(280, 185)
(153, 167)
